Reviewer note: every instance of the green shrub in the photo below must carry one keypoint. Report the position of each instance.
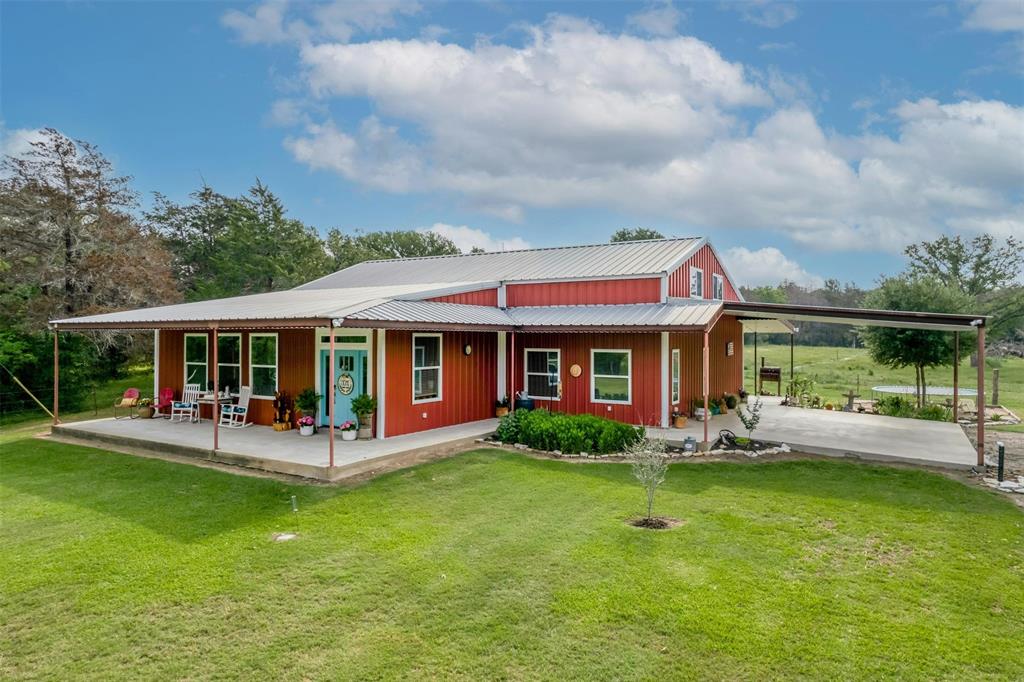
(894, 406)
(935, 413)
(569, 433)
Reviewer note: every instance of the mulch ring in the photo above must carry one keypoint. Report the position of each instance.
(655, 522)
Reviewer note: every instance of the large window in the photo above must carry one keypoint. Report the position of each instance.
(263, 364)
(718, 287)
(195, 359)
(675, 376)
(696, 283)
(543, 373)
(426, 368)
(610, 376)
(229, 361)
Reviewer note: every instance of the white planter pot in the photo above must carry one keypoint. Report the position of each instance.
(348, 435)
(305, 430)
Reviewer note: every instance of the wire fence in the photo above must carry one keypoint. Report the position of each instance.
(17, 405)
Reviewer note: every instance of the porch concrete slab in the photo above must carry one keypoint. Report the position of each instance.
(261, 447)
(846, 434)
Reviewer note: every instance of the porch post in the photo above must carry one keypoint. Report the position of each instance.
(156, 363)
(956, 377)
(216, 393)
(665, 397)
(56, 378)
(756, 391)
(981, 395)
(707, 384)
(512, 388)
(330, 403)
(381, 382)
(791, 344)
(502, 378)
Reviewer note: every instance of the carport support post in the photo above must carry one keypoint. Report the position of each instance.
(56, 378)
(707, 383)
(755, 391)
(791, 343)
(330, 404)
(216, 393)
(981, 395)
(956, 377)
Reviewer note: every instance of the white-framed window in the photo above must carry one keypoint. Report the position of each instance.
(717, 287)
(542, 368)
(696, 282)
(196, 357)
(426, 368)
(263, 364)
(229, 361)
(675, 376)
(611, 378)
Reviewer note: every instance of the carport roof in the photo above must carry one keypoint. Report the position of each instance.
(905, 319)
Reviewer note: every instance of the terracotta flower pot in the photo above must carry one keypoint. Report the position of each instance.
(500, 411)
(679, 421)
(146, 412)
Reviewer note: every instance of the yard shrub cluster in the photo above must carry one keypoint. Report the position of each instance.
(568, 433)
(899, 406)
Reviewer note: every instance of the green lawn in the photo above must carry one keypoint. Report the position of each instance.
(491, 565)
(837, 370)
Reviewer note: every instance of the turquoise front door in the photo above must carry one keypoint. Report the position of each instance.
(348, 380)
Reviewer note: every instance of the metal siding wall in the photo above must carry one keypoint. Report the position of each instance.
(726, 372)
(575, 348)
(172, 360)
(679, 280)
(481, 297)
(468, 384)
(605, 291)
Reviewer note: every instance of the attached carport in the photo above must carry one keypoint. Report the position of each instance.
(757, 313)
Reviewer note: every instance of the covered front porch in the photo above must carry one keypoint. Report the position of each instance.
(260, 447)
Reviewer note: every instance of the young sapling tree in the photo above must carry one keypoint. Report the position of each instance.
(650, 463)
(750, 417)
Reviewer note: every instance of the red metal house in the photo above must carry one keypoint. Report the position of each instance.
(631, 331)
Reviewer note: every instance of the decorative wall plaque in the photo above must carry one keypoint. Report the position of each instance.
(575, 370)
(345, 384)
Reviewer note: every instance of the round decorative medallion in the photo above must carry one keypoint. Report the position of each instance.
(345, 384)
(575, 370)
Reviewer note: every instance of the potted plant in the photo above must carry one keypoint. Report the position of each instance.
(501, 407)
(364, 406)
(731, 401)
(678, 419)
(146, 409)
(307, 403)
(307, 426)
(348, 430)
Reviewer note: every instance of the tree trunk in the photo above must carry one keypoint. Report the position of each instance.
(650, 502)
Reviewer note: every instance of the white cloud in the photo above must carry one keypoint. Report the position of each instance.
(577, 116)
(274, 21)
(766, 13)
(286, 113)
(777, 47)
(995, 15)
(657, 20)
(468, 238)
(18, 142)
(767, 266)
(432, 32)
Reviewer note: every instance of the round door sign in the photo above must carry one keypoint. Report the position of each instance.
(345, 384)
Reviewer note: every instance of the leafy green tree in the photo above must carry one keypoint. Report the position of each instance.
(631, 234)
(764, 294)
(918, 348)
(349, 249)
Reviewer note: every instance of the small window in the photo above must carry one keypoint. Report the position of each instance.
(426, 368)
(610, 376)
(718, 287)
(543, 373)
(229, 361)
(195, 359)
(696, 283)
(675, 376)
(263, 364)
(343, 339)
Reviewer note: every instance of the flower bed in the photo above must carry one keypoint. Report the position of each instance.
(566, 433)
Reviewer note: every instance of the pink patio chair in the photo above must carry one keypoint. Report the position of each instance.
(128, 402)
(164, 401)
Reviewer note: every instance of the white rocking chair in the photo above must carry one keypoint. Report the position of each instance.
(237, 416)
(188, 406)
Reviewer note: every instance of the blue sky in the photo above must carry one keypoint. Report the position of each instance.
(807, 140)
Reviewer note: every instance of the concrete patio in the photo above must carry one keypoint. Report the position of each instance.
(260, 447)
(845, 434)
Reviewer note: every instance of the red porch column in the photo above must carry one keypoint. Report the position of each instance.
(216, 393)
(512, 387)
(706, 384)
(981, 395)
(956, 377)
(330, 403)
(56, 378)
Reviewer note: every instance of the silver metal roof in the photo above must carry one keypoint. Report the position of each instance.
(627, 315)
(275, 305)
(622, 259)
(435, 313)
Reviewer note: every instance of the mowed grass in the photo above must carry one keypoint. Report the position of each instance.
(491, 565)
(837, 370)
